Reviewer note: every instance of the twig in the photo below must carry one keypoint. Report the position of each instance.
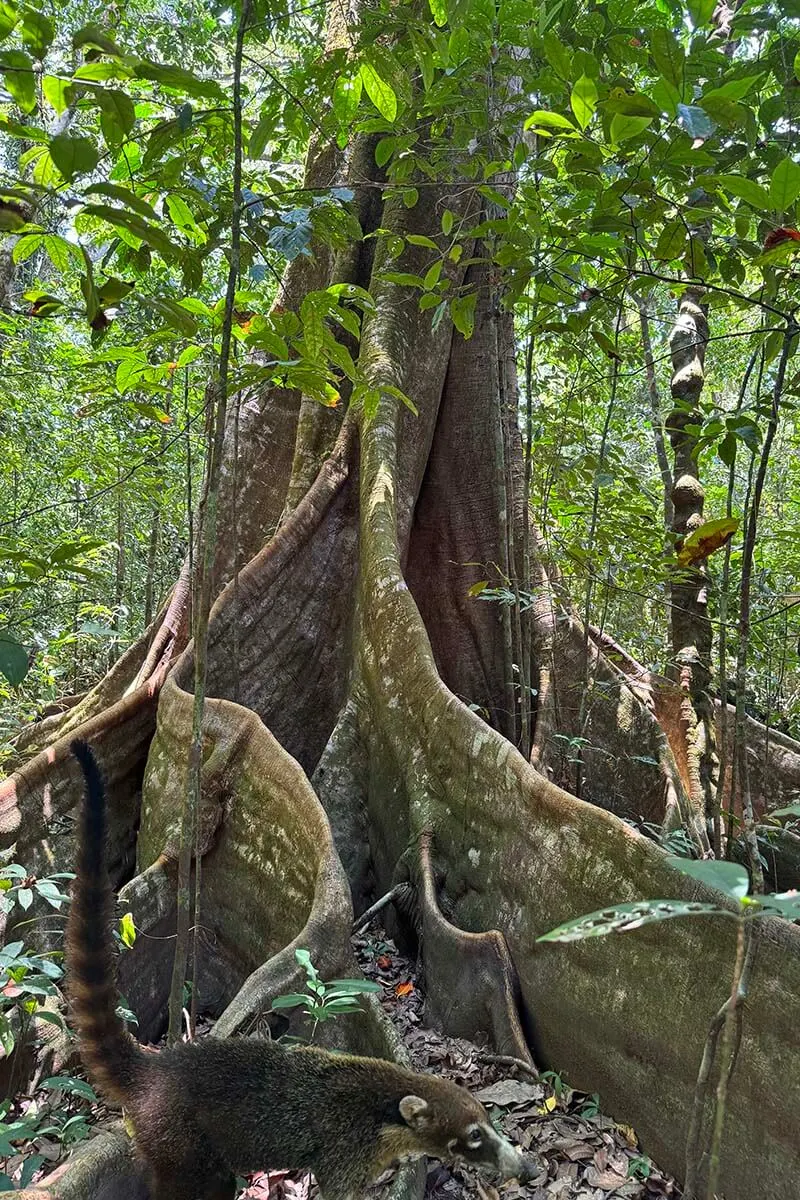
(731, 1007)
(361, 922)
(508, 1060)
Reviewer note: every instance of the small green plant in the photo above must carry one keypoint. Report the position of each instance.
(561, 1088)
(323, 1001)
(590, 1107)
(640, 1168)
(28, 980)
(18, 886)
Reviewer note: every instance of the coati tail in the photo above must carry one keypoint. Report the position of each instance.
(111, 1055)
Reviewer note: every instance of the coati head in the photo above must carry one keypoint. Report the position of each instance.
(460, 1130)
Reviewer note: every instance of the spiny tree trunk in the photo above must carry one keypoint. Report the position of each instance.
(691, 627)
(343, 746)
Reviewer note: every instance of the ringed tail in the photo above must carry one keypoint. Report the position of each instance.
(110, 1054)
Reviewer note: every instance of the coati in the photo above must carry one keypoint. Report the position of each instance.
(204, 1111)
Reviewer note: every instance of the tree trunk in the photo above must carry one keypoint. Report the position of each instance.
(691, 627)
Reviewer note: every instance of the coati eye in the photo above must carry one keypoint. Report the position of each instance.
(474, 1137)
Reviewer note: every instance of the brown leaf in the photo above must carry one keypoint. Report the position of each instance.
(608, 1180)
(404, 989)
(508, 1092)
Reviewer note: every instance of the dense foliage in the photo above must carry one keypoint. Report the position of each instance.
(652, 145)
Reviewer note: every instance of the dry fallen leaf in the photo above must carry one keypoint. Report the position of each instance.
(404, 989)
(608, 1180)
(509, 1091)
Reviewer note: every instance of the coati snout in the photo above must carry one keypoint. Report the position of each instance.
(463, 1132)
(205, 1111)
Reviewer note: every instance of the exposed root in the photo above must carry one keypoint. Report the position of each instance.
(472, 984)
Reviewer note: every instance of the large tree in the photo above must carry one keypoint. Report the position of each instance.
(370, 716)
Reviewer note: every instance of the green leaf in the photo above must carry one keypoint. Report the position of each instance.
(727, 449)
(116, 191)
(583, 100)
(112, 290)
(558, 55)
(667, 54)
(403, 278)
(27, 245)
(727, 877)
(550, 120)
(667, 96)
(37, 31)
(60, 251)
(354, 986)
(118, 116)
(791, 810)
(8, 18)
(606, 344)
(177, 79)
(347, 97)
(7, 1041)
(439, 12)
(700, 11)
(389, 389)
(624, 127)
(784, 187)
(129, 372)
(151, 234)
(182, 216)
(50, 1018)
(13, 659)
(127, 930)
(384, 150)
(174, 314)
(744, 189)
(57, 92)
(622, 918)
(432, 276)
(96, 38)
(71, 1085)
(462, 313)
(380, 92)
(25, 899)
(291, 1000)
(99, 72)
(17, 67)
(73, 155)
(734, 89)
(188, 355)
(695, 121)
(780, 904)
(671, 241)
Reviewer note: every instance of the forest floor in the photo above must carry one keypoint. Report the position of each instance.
(584, 1154)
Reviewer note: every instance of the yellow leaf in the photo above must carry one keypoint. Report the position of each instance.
(629, 1135)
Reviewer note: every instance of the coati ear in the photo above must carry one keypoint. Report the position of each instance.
(414, 1110)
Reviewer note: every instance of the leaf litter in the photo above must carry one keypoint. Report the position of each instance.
(584, 1154)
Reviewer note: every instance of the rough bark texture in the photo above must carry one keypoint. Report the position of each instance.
(691, 627)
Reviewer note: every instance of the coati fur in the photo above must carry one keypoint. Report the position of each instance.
(205, 1111)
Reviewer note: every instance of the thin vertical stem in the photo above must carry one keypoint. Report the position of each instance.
(207, 535)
